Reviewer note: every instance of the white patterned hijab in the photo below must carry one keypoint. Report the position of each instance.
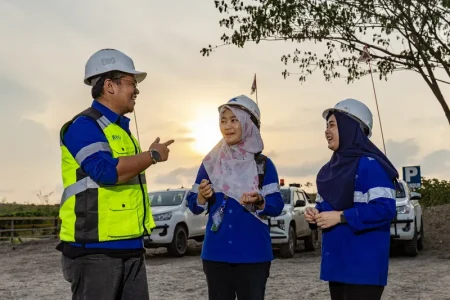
(232, 169)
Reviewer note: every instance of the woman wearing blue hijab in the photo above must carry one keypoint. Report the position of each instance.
(355, 206)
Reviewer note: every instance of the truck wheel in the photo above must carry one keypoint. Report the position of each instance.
(309, 242)
(288, 250)
(411, 246)
(420, 240)
(178, 246)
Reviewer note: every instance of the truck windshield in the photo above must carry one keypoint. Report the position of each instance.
(166, 198)
(286, 194)
(399, 190)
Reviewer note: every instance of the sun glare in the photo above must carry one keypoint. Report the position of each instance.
(205, 132)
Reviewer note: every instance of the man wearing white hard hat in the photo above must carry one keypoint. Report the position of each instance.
(355, 206)
(105, 210)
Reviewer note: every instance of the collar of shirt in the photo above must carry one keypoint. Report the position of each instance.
(122, 121)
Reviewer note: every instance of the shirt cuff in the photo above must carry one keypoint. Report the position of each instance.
(204, 206)
(259, 211)
(350, 214)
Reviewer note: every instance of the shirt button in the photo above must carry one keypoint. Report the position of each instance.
(230, 242)
(328, 253)
(230, 226)
(230, 211)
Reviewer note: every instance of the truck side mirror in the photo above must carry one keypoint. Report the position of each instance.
(415, 196)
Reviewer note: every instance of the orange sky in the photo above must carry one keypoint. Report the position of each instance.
(41, 78)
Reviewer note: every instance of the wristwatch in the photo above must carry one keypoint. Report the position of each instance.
(343, 219)
(155, 156)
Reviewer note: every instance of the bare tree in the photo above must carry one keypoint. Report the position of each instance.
(44, 198)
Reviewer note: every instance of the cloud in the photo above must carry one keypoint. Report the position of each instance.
(401, 152)
(6, 191)
(19, 100)
(303, 170)
(176, 176)
(437, 162)
(33, 155)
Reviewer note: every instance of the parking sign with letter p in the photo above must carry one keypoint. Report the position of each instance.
(411, 175)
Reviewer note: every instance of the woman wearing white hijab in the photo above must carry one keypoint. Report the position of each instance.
(237, 250)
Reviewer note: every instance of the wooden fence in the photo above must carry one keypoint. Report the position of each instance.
(13, 227)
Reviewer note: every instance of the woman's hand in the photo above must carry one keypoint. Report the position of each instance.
(328, 219)
(251, 198)
(310, 214)
(205, 191)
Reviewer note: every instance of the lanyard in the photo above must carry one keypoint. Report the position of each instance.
(224, 203)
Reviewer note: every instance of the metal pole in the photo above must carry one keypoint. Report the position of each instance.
(256, 90)
(378, 111)
(135, 122)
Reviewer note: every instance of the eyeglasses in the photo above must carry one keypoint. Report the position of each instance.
(133, 82)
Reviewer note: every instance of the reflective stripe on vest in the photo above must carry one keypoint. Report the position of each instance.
(87, 183)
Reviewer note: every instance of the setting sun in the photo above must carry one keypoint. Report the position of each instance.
(205, 132)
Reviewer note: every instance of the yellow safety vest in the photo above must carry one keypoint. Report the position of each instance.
(91, 212)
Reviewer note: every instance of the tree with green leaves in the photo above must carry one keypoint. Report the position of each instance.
(398, 35)
(434, 192)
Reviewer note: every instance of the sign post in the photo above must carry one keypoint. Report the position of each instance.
(411, 175)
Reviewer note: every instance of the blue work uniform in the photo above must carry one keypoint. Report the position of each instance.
(241, 237)
(357, 252)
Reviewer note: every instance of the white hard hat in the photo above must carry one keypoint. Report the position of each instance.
(107, 60)
(245, 103)
(355, 109)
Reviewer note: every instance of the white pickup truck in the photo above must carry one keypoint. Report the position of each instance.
(407, 227)
(175, 223)
(291, 226)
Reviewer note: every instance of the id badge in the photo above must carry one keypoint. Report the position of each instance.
(217, 218)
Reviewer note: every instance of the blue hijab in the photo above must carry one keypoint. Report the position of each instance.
(336, 180)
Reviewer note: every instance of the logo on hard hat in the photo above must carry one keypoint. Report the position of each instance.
(233, 100)
(108, 61)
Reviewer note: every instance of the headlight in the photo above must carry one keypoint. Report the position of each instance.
(404, 209)
(280, 224)
(283, 212)
(163, 217)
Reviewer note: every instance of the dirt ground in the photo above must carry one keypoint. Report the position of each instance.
(437, 228)
(32, 271)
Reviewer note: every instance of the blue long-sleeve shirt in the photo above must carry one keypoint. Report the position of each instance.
(357, 252)
(82, 139)
(242, 237)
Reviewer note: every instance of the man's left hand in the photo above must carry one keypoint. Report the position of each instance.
(252, 197)
(328, 219)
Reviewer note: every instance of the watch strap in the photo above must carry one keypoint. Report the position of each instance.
(343, 219)
(154, 161)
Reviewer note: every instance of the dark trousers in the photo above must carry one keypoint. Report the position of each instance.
(100, 277)
(226, 281)
(343, 291)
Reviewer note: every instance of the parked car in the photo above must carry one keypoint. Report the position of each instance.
(407, 228)
(175, 223)
(291, 226)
